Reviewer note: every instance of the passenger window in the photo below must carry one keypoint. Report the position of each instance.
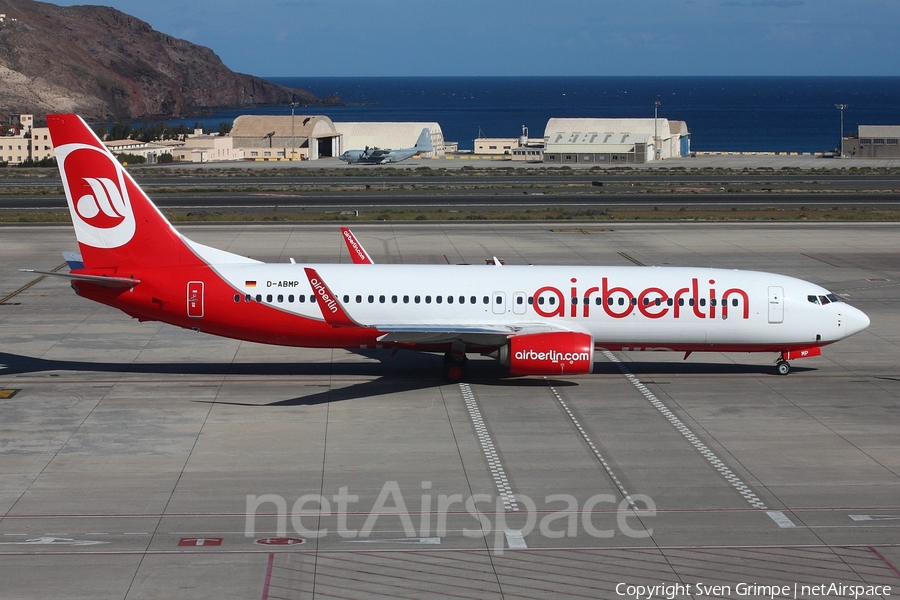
(359, 299)
(438, 299)
(691, 302)
(552, 300)
(281, 297)
(519, 300)
(381, 299)
(405, 299)
(681, 302)
(290, 298)
(574, 301)
(248, 298)
(473, 300)
(418, 299)
(371, 298)
(312, 298)
(541, 301)
(427, 299)
(658, 301)
(268, 297)
(346, 299)
(462, 299)
(734, 302)
(394, 299)
(712, 302)
(301, 298)
(449, 299)
(259, 297)
(486, 300)
(237, 297)
(702, 301)
(634, 301)
(598, 301)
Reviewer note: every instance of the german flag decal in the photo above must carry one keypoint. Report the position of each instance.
(249, 284)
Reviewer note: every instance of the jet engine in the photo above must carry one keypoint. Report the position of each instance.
(551, 353)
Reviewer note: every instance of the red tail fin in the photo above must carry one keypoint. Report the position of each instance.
(116, 224)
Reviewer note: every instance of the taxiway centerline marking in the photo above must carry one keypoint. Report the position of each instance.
(490, 453)
(704, 451)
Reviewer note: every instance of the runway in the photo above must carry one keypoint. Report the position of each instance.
(143, 461)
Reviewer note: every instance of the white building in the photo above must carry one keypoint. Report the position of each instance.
(358, 136)
(613, 141)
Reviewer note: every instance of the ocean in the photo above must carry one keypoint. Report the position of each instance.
(762, 114)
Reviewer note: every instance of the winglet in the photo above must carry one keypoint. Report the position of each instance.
(358, 254)
(328, 303)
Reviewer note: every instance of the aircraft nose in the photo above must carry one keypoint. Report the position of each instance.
(856, 321)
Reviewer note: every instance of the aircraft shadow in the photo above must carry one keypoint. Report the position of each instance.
(407, 372)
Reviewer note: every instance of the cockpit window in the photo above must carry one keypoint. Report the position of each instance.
(827, 299)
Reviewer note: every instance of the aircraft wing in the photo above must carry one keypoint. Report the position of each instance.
(439, 333)
(486, 334)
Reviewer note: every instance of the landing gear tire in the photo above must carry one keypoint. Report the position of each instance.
(783, 367)
(454, 368)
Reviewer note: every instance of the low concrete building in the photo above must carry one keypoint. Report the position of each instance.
(873, 141)
(202, 148)
(302, 137)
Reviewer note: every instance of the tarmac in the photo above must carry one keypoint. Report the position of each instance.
(138, 460)
(708, 160)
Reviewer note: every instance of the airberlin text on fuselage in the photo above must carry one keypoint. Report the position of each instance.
(619, 302)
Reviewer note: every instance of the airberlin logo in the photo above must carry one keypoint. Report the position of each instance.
(104, 207)
(98, 196)
(322, 291)
(618, 302)
(553, 356)
(355, 245)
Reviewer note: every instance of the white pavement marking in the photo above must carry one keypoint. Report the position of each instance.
(490, 453)
(708, 454)
(593, 448)
(514, 539)
(781, 519)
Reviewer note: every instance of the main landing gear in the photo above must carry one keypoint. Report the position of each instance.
(454, 367)
(782, 367)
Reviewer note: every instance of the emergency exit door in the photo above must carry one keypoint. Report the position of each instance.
(195, 299)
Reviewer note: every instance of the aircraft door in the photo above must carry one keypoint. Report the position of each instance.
(520, 301)
(776, 304)
(498, 303)
(195, 299)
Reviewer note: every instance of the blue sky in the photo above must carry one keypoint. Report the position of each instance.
(531, 37)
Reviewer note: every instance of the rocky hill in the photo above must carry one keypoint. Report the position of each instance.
(107, 65)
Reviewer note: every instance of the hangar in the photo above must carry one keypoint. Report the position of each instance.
(873, 141)
(357, 136)
(300, 137)
(608, 141)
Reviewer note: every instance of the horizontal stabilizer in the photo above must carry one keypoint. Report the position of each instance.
(74, 260)
(101, 280)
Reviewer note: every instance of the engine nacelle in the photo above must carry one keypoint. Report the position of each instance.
(552, 353)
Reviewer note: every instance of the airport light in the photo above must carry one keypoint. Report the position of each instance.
(841, 108)
(294, 104)
(656, 149)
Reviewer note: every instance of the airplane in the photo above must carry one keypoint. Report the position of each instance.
(380, 156)
(536, 320)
